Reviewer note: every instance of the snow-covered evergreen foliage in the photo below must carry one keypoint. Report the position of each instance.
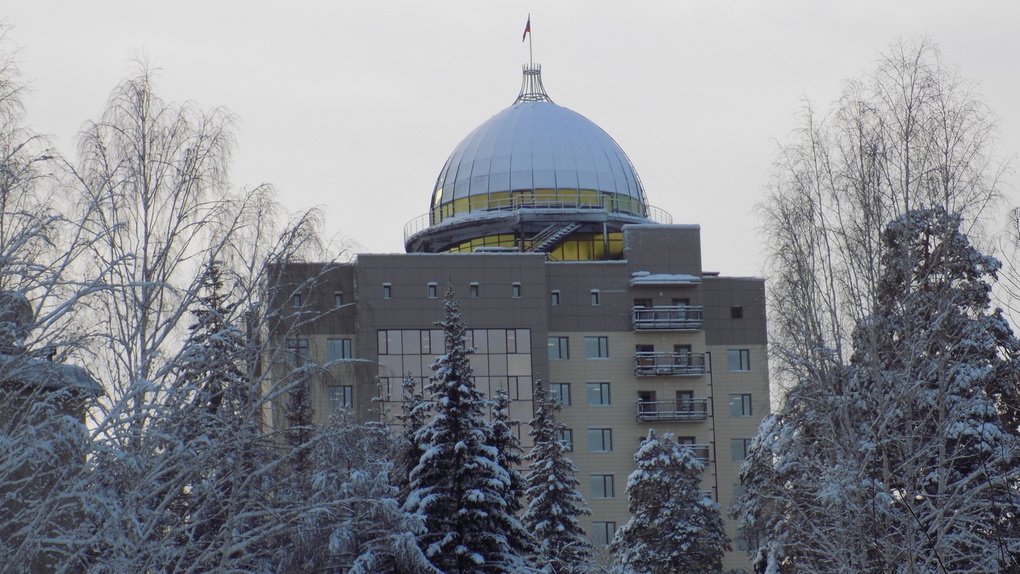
(414, 413)
(459, 486)
(554, 501)
(674, 527)
(503, 438)
(191, 488)
(907, 459)
(353, 522)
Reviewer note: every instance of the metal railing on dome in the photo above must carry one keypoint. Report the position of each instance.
(537, 201)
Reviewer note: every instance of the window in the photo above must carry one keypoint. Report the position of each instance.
(598, 394)
(554, 298)
(643, 303)
(559, 348)
(739, 448)
(737, 312)
(560, 392)
(515, 290)
(473, 290)
(740, 405)
(602, 486)
(738, 360)
(433, 290)
(337, 349)
(298, 349)
(297, 300)
(594, 297)
(596, 347)
(387, 291)
(602, 533)
(341, 397)
(511, 341)
(567, 436)
(338, 298)
(600, 440)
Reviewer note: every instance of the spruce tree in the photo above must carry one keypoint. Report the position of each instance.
(554, 501)
(509, 456)
(674, 527)
(947, 452)
(458, 486)
(414, 412)
(905, 459)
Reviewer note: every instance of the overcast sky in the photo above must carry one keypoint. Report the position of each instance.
(355, 106)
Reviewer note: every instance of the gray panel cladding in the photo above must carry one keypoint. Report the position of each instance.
(306, 295)
(575, 282)
(721, 296)
(663, 248)
(409, 306)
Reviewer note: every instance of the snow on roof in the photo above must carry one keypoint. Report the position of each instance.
(648, 279)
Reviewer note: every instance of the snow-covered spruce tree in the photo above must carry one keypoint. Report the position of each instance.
(949, 455)
(674, 527)
(503, 438)
(458, 487)
(414, 413)
(907, 460)
(554, 501)
(192, 490)
(354, 521)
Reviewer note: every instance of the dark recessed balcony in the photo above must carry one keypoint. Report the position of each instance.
(668, 318)
(680, 410)
(655, 364)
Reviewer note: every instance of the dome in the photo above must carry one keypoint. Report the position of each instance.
(534, 177)
(536, 146)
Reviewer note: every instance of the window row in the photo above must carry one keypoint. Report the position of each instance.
(431, 341)
(432, 290)
(599, 394)
(597, 347)
(599, 439)
(595, 297)
(297, 299)
(336, 350)
(594, 348)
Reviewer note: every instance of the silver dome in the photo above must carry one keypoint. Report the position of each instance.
(535, 146)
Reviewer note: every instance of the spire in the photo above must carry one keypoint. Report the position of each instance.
(532, 89)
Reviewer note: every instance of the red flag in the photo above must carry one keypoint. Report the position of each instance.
(527, 28)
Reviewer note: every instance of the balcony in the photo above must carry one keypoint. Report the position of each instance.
(655, 364)
(668, 318)
(681, 410)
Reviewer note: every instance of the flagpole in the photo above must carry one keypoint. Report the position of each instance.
(531, 57)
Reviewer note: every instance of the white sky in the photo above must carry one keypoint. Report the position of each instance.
(355, 106)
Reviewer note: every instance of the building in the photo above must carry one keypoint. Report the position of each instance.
(564, 272)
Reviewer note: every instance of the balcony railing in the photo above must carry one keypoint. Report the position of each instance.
(700, 453)
(653, 364)
(681, 410)
(668, 318)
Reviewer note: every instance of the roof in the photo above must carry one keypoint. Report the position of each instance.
(536, 145)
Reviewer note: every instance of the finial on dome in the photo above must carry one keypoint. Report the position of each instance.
(532, 89)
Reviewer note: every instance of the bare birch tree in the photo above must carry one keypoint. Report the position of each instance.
(911, 134)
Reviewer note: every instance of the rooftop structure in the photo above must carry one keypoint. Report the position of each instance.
(534, 177)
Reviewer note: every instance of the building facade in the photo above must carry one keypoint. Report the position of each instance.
(564, 272)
